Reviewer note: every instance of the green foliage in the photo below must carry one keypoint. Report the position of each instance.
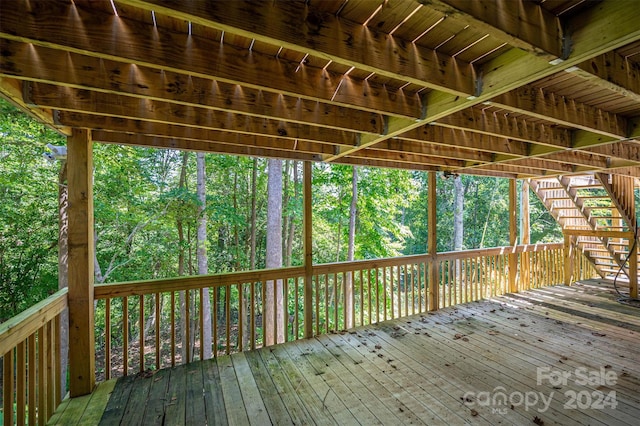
(28, 212)
(139, 203)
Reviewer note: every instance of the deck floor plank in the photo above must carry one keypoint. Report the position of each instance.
(273, 401)
(194, 394)
(301, 386)
(175, 408)
(154, 409)
(213, 399)
(233, 402)
(298, 411)
(413, 370)
(117, 403)
(253, 402)
(315, 376)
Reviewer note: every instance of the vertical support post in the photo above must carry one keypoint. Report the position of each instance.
(513, 236)
(432, 242)
(633, 269)
(308, 251)
(568, 260)
(525, 231)
(81, 247)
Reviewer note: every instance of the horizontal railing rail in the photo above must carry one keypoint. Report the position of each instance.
(31, 363)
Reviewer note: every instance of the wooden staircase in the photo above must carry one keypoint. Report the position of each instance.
(597, 211)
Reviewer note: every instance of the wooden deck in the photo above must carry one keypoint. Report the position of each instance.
(449, 367)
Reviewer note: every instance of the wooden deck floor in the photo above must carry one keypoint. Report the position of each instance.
(450, 367)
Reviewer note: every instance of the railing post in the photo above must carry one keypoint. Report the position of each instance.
(513, 236)
(81, 249)
(432, 242)
(568, 260)
(633, 269)
(308, 251)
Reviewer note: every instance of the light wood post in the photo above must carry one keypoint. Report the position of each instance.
(432, 242)
(633, 270)
(513, 236)
(81, 247)
(308, 251)
(568, 260)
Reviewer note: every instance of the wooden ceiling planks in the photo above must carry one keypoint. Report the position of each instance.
(450, 85)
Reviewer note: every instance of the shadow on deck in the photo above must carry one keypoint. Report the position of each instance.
(558, 355)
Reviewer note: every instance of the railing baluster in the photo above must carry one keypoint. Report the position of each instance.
(201, 323)
(21, 370)
(125, 336)
(31, 378)
(7, 387)
(240, 324)
(172, 314)
(227, 315)
(158, 338)
(42, 377)
(252, 313)
(50, 369)
(141, 330)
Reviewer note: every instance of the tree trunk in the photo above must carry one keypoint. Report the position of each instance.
(63, 270)
(252, 254)
(458, 214)
(181, 259)
(353, 212)
(285, 209)
(292, 225)
(458, 222)
(274, 296)
(203, 264)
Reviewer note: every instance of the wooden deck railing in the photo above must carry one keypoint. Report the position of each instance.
(141, 325)
(151, 314)
(30, 348)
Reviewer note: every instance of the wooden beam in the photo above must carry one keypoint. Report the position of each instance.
(326, 36)
(85, 33)
(522, 24)
(11, 90)
(409, 158)
(513, 236)
(169, 131)
(604, 27)
(622, 150)
(385, 164)
(461, 138)
(426, 148)
(560, 110)
(432, 247)
(198, 145)
(81, 249)
(38, 63)
(478, 120)
(308, 250)
(74, 100)
(612, 72)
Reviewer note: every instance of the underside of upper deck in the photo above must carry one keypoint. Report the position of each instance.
(556, 355)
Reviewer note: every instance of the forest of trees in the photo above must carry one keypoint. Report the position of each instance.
(164, 213)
